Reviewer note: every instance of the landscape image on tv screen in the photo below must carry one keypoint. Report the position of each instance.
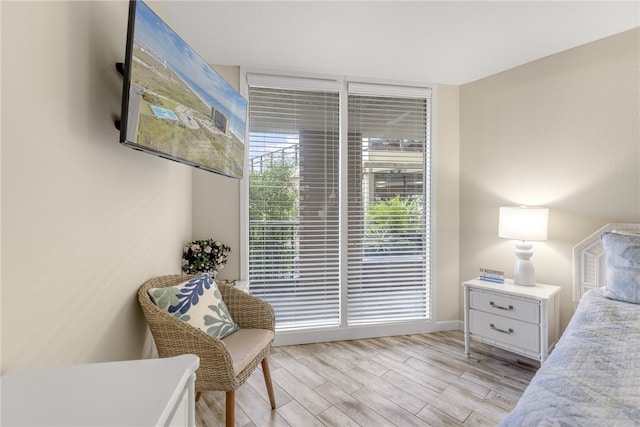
(178, 106)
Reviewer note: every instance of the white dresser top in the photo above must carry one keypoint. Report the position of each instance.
(130, 393)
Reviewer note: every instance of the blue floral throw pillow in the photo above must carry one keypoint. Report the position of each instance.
(198, 302)
(622, 260)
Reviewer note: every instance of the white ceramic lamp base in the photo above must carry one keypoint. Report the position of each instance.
(524, 274)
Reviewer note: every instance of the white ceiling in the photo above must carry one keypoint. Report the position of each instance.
(449, 42)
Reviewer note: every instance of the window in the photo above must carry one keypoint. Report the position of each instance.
(388, 221)
(293, 203)
(339, 201)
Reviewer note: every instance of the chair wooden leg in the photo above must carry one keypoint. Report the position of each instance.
(267, 380)
(230, 416)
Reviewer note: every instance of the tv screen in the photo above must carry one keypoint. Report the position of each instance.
(174, 105)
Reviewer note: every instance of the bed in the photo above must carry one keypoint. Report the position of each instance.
(592, 377)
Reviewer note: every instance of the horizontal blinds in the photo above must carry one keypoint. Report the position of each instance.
(388, 205)
(293, 195)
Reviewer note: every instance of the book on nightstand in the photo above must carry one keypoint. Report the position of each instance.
(489, 275)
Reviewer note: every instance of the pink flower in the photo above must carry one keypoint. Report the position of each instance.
(208, 249)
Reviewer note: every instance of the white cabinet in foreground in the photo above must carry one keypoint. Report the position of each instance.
(150, 392)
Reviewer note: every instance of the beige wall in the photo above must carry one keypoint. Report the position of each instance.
(446, 189)
(561, 132)
(84, 220)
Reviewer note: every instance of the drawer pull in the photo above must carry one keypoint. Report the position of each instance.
(499, 307)
(510, 331)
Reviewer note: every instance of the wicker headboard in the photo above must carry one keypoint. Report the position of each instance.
(588, 260)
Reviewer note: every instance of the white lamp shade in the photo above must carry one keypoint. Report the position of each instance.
(523, 223)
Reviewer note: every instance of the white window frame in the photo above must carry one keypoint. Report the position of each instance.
(351, 332)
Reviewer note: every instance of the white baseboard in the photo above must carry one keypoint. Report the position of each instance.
(361, 332)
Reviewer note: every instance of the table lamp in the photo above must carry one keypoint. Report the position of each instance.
(523, 224)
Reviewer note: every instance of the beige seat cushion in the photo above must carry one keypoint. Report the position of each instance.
(245, 344)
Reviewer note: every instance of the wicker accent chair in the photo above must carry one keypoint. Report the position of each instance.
(225, 364)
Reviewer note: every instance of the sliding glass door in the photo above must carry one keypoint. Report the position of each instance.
(339, 224)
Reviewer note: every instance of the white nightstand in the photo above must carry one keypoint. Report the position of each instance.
(521, 319)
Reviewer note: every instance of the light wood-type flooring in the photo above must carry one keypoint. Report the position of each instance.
(411, 380)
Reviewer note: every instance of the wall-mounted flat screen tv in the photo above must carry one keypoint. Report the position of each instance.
(174, 105)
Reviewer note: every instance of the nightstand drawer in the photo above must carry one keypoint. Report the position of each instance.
(504, 305)
(510, 332)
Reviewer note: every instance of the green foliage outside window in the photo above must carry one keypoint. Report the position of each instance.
(273, 193)
(273, 218)
(394, 224)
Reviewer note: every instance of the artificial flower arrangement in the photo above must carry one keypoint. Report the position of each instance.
(204, 256)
